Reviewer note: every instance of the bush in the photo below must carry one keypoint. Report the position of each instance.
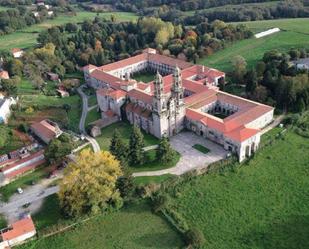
(23, 128)
(159, 202)
(194, 238)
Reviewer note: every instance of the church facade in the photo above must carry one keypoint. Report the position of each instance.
(182, 96)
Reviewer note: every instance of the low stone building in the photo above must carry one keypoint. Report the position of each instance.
(46, 130)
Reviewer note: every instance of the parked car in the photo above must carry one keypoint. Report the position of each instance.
(20, 190)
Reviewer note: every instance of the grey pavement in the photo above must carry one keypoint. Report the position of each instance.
(190, 158)
(94, 143)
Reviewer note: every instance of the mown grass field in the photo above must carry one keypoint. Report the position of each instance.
(262, 204)
(294, 34)
(130, 228)
(26, 38)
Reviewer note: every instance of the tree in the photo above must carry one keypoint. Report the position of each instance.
(136, 154)
(239, 65)
(125, 185)
(10, 85)
(251, 81)
(119, 148)
(66, 107)
(159, 202)
(164, 152)
(58, 148)
(195, 238)
(89, 184)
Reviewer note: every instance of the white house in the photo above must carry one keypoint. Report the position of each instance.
(17, 52)
(5, 111)
(302, 64)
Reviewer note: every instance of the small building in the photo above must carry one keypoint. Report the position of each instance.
(302, 64)
(17, 52)
(95, 131)
(17, 232)
(46, 130)
(4, 75)
(62, 93)
(5, 111)
(53, 76)
(50, 13)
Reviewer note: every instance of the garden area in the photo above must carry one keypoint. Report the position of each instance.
(144, 76)
(125, 130)
(201, 148)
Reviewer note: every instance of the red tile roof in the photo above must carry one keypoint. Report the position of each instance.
(4, 75)
(45, 129)
(115, 94)
(19, 228)
(242, 134)
(140, 95)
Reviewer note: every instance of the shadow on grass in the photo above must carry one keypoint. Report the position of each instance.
(293, 233)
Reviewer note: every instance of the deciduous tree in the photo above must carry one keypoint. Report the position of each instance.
(89, 184)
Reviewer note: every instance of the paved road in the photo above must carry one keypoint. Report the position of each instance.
(34, 195)
(190, 158)
(94, 143)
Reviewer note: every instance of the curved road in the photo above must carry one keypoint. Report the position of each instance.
(94, 143)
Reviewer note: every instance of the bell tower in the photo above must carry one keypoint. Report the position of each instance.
(177, 89)
(159, 115)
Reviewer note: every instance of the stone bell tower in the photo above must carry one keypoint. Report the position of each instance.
(160, 123)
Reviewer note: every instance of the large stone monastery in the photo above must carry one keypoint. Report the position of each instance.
(182, 96)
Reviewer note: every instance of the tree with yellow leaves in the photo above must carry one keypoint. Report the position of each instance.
(89, 184)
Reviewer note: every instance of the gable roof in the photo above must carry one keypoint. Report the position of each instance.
(19, 228)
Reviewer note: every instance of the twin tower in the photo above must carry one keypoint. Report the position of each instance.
(168, 105)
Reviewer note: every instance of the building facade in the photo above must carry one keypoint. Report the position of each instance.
(182, 96)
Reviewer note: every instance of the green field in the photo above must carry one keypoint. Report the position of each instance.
(27, 37)
(262, 204)
(92, 116)
(130, 228)
(124, 129)
(294, 34)
(3, 8)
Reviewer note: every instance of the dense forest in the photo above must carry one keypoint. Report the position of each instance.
(68, 47)
(284, 9)
(275, 80)
(184, 5)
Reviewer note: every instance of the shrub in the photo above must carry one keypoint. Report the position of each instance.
(159, 202)
(29, 110)
(194, 238)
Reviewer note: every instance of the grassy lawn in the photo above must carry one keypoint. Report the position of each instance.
(92, 116)
(144, 76)
(125, 130)
(8, 190)
(201, 148)
(26, 38)
(132, 227)
(92, 100)
(295, 34)
(13, 141)
(142, 180)
(262, 204)
(153, 164)
(3, 222)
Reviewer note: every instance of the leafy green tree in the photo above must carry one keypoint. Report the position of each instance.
(58, 148)
(125, 185)
(10, 85)
(239, 68)
(119, 148)
(195, 238)
(159, 202)
(251, 81)
(164, 152)
(136, 154)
